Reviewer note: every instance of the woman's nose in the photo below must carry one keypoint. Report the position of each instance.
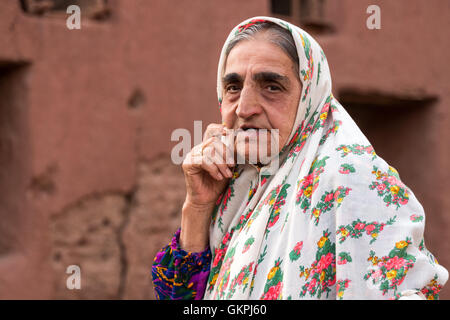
(248, 103)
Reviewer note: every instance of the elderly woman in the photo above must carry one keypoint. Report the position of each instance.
(331, 220)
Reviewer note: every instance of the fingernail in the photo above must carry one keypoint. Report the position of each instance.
(229, 173)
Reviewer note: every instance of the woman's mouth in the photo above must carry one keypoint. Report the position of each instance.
(248, 132)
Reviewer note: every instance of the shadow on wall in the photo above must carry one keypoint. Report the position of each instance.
(94, 9)
(14, 153)
(388, 121)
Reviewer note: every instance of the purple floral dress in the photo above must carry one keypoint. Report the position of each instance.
(178, 274)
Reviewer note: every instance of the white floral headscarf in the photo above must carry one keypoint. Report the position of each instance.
(334, 222)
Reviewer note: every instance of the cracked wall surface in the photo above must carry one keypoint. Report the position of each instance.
(154, 218)
(114, 237)
(86, 234)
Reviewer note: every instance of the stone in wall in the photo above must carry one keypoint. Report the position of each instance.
(86, 234)
(153, 219)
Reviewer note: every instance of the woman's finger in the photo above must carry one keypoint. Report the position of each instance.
(213, 130)
(223, 167)
(211, 156)
(209, 166)
(221, 154)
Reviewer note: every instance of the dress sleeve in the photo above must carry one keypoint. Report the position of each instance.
(178, 274)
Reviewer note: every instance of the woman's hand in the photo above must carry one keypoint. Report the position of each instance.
(207, 172)
(207, 168)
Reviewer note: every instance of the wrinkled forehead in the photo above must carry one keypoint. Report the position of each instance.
(237, 30)
(313, 69)
(256, 56)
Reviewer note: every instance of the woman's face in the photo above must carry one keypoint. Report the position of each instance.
(260, 90)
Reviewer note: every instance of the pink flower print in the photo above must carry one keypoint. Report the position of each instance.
(325, 108)
(298, 247)
(240, 278)
(395, 263)
(312, 284)
(249, 24)
(274, 292)
(295, 136)
(329, 197)
(263, 181)
(332, 281)
(325, 261)
(360, 226)
(370, 228)
(369, 149)
(343, 170)
(226, 237)
(392, 180)
(308, 180)
(336, 195)
(376, 275)
(271, 223)
(381, 187)
(218, 257)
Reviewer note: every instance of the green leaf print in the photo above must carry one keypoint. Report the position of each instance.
(389, 271)
(296, 252)
(389, 187)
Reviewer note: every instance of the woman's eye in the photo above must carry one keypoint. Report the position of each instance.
(232, 89)
(273, 88)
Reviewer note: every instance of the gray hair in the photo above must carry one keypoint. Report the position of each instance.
(278, 35)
